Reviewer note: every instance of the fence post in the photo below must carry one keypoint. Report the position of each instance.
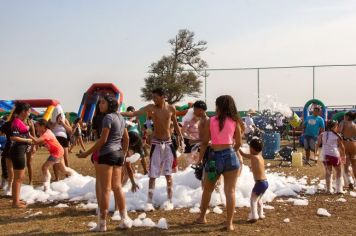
(205, 84)
(258, 89)
(313, 82)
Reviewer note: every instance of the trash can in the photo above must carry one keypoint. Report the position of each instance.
(271, 144)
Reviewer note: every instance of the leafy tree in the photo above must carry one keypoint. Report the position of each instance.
(178, 73)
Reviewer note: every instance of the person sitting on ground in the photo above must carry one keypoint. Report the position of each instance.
(261, 184)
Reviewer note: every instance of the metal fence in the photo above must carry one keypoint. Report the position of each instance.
(314, 77)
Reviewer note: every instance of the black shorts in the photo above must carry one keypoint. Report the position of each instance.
(115, 158)
(188, 146)
(5, 152)
(17, 155)
(63, 141)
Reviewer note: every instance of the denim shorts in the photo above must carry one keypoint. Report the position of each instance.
(310, 143)
(225, 160)
(54, 159)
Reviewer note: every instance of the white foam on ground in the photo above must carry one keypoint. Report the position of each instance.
(162, 224)
(61, 205)
(91, 224)
(268, 207)
(142, 216)
(298, 202)
(137, 223)
(323, 212)
(217, 210)
(286, 220)
(34, 214)
(341, 200)
(147, 222)
(116, 216)
(194, 210)
(187, 191)
(311, 190)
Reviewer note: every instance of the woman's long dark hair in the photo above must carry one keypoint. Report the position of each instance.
(19, 107)
(113, 105)
(43, 122)
(329, 126)
(226, 108)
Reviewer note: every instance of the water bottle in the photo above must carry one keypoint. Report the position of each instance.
(212, 171)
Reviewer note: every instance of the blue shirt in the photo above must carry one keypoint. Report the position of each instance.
(313, 124)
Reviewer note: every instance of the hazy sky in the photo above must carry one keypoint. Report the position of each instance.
(57, 49)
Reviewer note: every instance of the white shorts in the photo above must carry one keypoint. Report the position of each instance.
(161, 158)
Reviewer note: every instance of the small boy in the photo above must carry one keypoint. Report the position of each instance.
(261, 184)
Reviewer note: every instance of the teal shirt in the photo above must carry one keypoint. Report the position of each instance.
(313, 124)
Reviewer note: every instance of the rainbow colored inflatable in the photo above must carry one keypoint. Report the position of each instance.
(90, 99)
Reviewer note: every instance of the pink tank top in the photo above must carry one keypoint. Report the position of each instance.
(226, 135)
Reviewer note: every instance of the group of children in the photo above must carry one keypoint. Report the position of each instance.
(163, 153)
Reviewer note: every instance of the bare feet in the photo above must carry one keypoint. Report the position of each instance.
(201, 220)
(229, 227)
(18, 205)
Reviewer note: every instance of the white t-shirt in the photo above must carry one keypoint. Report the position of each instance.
(279, 121)
(59, 131)
(330, 144)
(249, 125)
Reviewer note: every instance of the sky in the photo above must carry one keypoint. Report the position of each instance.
(57, 49)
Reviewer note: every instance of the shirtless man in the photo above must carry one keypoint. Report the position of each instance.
(347, 129)
(162, 150)
(261, 184)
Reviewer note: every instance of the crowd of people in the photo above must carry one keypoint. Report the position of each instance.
(211, 144)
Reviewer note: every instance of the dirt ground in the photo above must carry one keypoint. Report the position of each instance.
(73, 221)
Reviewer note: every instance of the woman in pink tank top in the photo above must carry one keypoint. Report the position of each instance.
(224, 131)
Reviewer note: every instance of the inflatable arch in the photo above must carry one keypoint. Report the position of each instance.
(318, 102)
(53, 107)
(90, 99)
(339, 116)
